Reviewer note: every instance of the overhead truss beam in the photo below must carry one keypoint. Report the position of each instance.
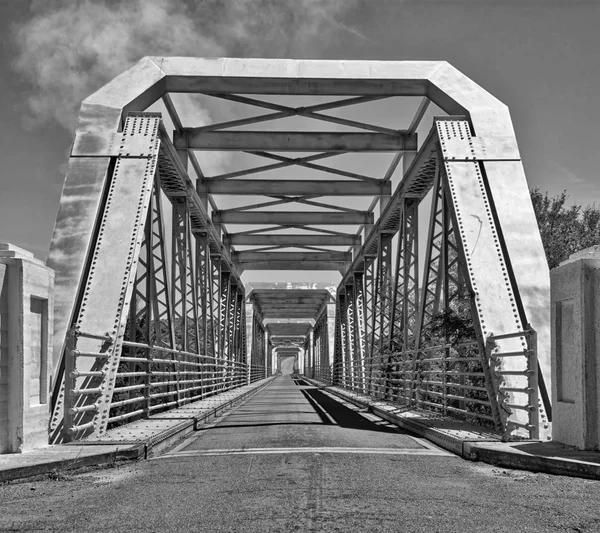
(293, 218)
(294, 141)
(298, 187)
(244, 257)
(293, 240)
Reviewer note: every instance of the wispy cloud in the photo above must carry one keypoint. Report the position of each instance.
(570, 176)
(70, 48)
(349, 29)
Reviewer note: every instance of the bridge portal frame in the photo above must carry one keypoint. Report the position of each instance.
(519, 294)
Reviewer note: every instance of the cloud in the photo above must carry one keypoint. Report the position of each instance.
(70, 48)
(570, 176)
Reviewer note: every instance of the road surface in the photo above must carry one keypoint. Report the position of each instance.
(293, 458)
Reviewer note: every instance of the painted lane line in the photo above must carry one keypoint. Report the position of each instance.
(272, 451)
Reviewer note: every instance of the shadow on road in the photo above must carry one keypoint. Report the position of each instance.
(342, 415)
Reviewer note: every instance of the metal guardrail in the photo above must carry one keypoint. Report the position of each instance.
(518, 387)
(150, 379)
(451, 380)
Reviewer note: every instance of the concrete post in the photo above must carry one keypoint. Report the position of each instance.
(575, 315)
(26, 309)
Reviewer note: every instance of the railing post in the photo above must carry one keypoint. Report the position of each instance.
(532, 367)
(71, 346)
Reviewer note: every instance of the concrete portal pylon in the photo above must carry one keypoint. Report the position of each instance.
(123, 285)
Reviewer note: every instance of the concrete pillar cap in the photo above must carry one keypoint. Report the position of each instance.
(10, 250)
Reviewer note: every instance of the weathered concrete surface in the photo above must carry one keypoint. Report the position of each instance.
(575, 298)
(411, 487)
(65, 457)
(26, 311)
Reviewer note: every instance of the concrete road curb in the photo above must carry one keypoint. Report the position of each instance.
(506, 456)
(492, 451)
(58, 464)
(63, 457)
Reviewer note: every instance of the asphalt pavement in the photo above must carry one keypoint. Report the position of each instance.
(294, 458)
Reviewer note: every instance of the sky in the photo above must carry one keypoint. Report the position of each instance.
(540, 57)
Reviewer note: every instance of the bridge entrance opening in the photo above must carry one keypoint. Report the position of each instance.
(394, 190)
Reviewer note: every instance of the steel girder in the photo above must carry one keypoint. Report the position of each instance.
(146, 337)
(257, 343)
(318, 341)
(464, 347)
(482, 167)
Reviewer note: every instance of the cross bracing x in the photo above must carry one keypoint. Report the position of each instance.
(151, 307)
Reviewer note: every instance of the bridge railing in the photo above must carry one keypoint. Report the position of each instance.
(150, 379)
(450, 379)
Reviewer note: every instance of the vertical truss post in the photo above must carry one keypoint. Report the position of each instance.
(107, 287)
(343, 374)
(215, 283)
(148, 291)
(359, 328)
(248, 334)
(179, 271)
(216, 304)
(231, 331)
(160, 284)
(369, 306)
(242, 351)
(268, 351)
(202, 277)
(381, 318)
(305, 363)
(325, 354)
(382, 294)
(410, 294)
(311, 353)
(339, 340)
(350, 352)
(434, 264)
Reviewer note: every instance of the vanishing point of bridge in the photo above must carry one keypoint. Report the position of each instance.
(443, 294)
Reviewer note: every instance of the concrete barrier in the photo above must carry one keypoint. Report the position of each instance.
(575, 300)
(26, 309)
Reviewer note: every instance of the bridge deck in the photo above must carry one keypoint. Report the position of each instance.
(291, 416)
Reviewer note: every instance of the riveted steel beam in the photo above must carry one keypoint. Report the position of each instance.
(247, 257)
(292, 218)
(294, 141)
(288, 187)
(294, 240)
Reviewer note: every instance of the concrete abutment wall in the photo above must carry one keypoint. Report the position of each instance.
(26, 318)
(575, 297)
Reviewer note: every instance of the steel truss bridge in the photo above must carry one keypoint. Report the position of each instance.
(443, 303)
